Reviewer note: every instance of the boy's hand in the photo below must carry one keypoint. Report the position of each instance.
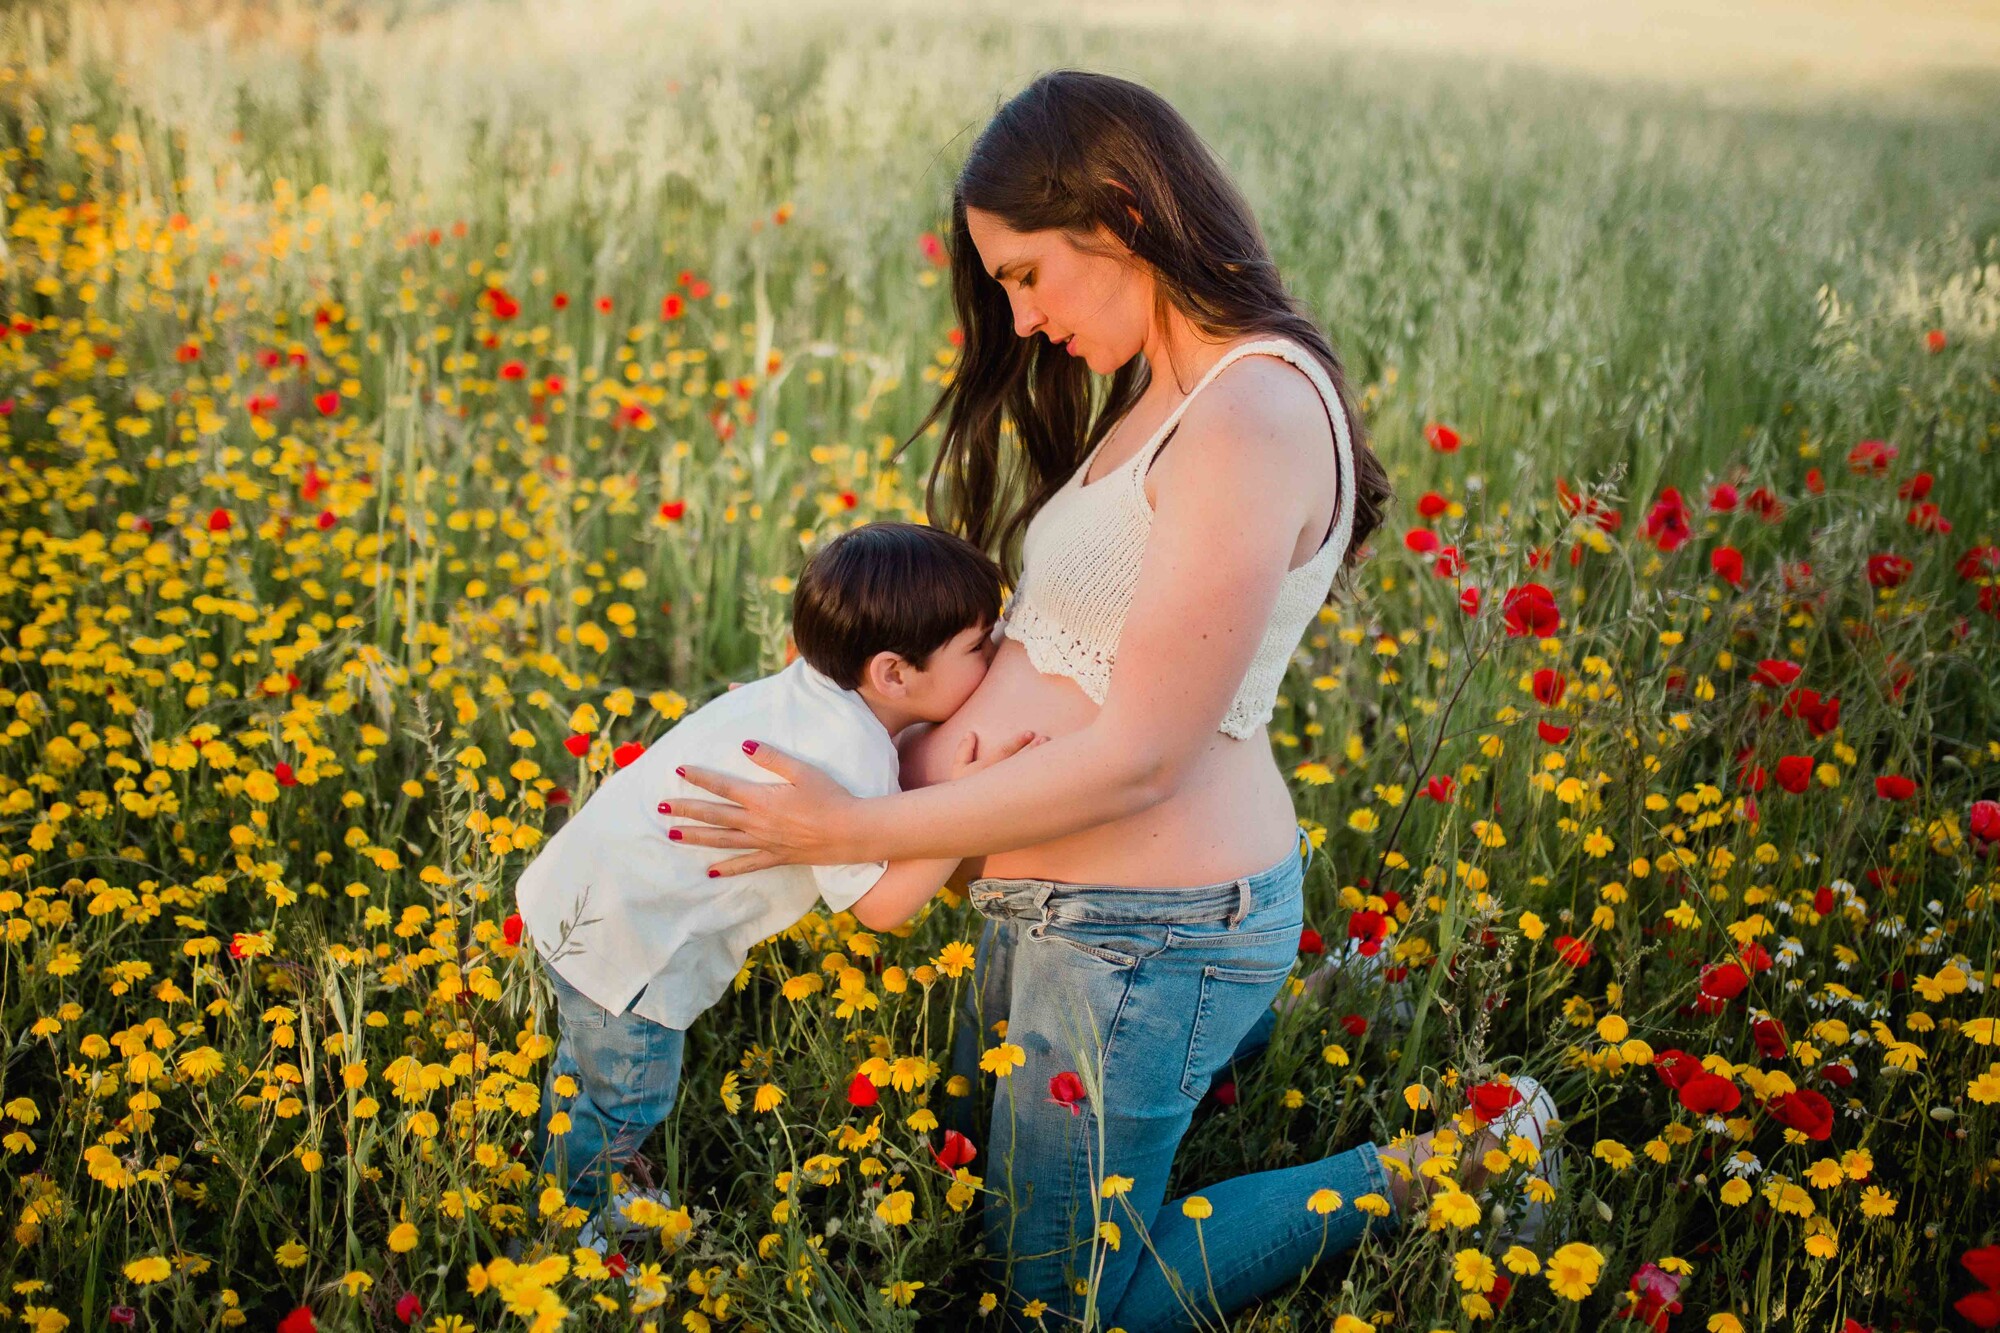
(971, 756)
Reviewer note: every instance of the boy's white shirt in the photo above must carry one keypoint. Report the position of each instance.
(620, 910)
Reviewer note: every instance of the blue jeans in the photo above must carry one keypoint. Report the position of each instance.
(627, 1071)
(1147, 993)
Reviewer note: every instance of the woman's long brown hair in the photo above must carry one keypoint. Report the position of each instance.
(1071, 152)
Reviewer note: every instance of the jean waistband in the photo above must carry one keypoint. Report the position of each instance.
(1228, 900)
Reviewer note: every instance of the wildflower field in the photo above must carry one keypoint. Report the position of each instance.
(404, 420)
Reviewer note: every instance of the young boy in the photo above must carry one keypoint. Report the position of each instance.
(891, 622)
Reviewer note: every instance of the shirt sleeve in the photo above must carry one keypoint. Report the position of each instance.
(843, 885)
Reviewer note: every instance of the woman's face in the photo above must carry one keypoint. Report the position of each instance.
(1100, 305)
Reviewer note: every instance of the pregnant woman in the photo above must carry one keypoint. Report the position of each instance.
(1141, 873)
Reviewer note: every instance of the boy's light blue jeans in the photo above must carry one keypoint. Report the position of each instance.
(627, 1071)
(1158, 990)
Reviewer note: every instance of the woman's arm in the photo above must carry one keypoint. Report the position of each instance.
(1229, 510)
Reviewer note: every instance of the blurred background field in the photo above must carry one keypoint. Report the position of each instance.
(396, 391)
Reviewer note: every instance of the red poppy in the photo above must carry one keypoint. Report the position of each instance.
(1440, 788)
(1795, 772)
(409, 1309)
(511, 928)
(286, 777)
(577, 744)
(218, 520)
(1653, 1299)
(1549, 685)
(1723, 498)
(1066, 1090)
(672, 306)
(1820, 715)
(327, 518)
(1675, 1067)
(1775, 671)
(557, 796)
(1430, 504)
(1420, 540)
(1667, 524)
(862, 1092)
(1815, 481)
(1871, 456)
(1441, 437)
(1224, 1092)
(1934, 340)
(1551, 733)
(673, 510)
(626, 753)
(958, 1151)
(1764, 503)
(1447, 565)
(1369, 927)
(1530, 608)
(1489, 1101)
(1984, 1265)
(300, 1320)
(1310, 941)
(1888, 571)
(1769, 1035)
(1708, 1094)
(1354, 1025)
(1915, 487)
(1804, 1110)
(1927, 517)
(1724, 981)
(1981, 1307)
(1895, 787)
(1823, 900)
(1727, 562)
(1468, 601)
(328, 403)
(1984, 822)
(1572, 950)
(1979, 562)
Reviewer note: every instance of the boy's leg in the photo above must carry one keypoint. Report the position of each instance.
(627, 1072)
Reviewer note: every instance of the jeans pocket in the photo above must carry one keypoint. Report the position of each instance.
(1228, 1006)
(1119, 943)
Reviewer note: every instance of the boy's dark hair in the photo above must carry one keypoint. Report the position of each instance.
(890, 587)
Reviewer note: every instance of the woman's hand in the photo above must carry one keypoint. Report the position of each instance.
(794, 822)
(967, 759)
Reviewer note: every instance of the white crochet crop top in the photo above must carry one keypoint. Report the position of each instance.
(1080, 561)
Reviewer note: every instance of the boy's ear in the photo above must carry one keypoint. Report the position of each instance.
(888, 674)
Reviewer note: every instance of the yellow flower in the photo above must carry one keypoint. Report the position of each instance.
(1724, 1323)
(1324, 1202)
(897, 1208)
(1573, 1270)
(1877, 1202)
(1371, 1203)
(1986, 1088)
(1347, 1323)
(1003, 1059)
(1613, 1153)
(955, 959)
(1612, 1029)
(1114, 1186)
(291, 1254)
(1453, 1208)
(153, 1268)
(1474, 1271)
(769, 1097)
(1521, 1261)
(1736, 1193)
(1532, 926)
(1825, 1174)
(1108, 1232)
(1417, 1096)
(403, 1237)
(900, 1293)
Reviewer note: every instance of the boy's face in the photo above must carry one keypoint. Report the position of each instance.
(952, 674)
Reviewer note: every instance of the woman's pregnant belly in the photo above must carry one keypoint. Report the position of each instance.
(1231, 815)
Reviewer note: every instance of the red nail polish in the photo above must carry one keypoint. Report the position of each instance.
(749, 747)
(674, 834)
(665, 808)
(714, 873)
(680, 772)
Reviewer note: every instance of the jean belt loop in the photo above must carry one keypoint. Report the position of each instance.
(1042, 893)
(1242, 902)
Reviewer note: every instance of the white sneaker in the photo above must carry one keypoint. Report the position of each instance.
(1531, 1118)
(614, 1222)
